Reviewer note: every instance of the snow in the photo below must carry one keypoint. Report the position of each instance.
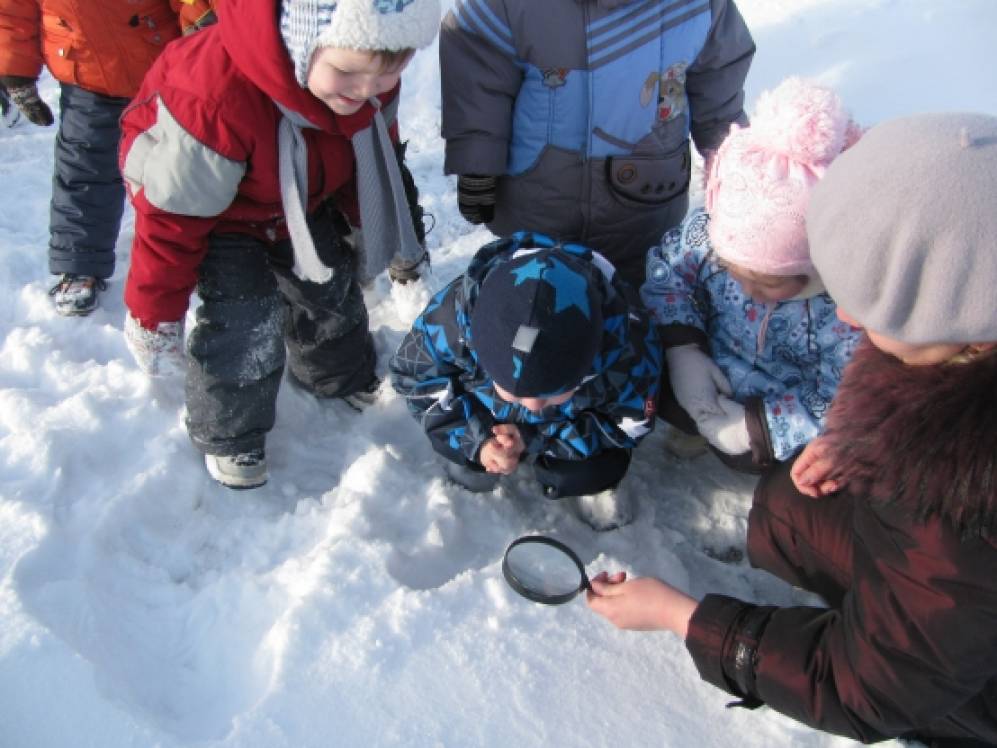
(357, 599)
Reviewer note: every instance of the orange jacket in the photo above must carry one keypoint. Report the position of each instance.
(104, 46)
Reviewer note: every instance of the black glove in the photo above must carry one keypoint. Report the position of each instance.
(476, 197)
(208, 19)
(24, 93)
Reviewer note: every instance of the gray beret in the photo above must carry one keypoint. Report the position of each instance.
(903, 229)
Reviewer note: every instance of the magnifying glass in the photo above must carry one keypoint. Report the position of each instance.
(544, 570)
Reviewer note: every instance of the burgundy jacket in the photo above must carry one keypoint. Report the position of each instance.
(911, 648)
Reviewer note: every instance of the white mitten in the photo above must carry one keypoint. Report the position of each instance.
(696, 380)
(158, 352)
(728, 430)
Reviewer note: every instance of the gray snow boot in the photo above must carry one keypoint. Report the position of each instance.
(246, 470)
(76, 295)
(364, 398)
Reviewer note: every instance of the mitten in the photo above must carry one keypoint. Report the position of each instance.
(696, 380)
(8, 112)
(158, 352)
(728, 430)
(476, 197)
(24, 93)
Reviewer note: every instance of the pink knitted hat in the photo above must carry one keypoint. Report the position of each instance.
(761, 176)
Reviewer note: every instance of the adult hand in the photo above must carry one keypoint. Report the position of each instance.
(476, 197)
(728, 430)
(811, 472)
(157, 352)
(696, 380)
(643, 604)
(24, 93)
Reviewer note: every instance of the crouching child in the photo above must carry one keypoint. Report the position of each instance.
(534, 355)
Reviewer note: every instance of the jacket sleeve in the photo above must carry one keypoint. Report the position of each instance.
(796, 416)
(178, 187)
(614, 410)
(715, 81)
(20, 38)
(913, 639)
(479, 86)
(674, 292)
(426, 370)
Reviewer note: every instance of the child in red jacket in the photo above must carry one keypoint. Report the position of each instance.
(248, 152)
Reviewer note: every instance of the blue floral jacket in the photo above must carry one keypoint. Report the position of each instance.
(784, 360)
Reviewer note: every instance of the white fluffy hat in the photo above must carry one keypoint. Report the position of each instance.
(375, 25)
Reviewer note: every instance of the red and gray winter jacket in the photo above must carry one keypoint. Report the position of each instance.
(199, 152)
(911, 648)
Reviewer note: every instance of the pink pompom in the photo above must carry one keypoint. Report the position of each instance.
(761, 177)
(804, 121)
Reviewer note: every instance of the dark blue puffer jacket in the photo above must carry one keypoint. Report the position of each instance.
(455, 401)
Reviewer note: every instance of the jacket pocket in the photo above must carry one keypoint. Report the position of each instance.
(650, 179)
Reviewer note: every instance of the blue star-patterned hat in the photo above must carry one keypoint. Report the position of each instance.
(537, 323)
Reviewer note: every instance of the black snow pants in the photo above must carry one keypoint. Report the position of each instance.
(256, 315)
(88, 194)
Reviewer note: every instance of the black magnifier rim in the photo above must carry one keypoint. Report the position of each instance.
(537, 597)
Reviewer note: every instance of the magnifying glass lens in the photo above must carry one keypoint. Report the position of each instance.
(543, 569)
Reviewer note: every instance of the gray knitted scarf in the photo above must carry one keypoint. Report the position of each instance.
(384, 213)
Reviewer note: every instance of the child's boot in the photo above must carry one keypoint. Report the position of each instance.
(606, 510)
(684, 446)
(364, 397)
(76, 295)
(246, 470)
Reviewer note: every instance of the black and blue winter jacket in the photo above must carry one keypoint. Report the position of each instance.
(455, 400)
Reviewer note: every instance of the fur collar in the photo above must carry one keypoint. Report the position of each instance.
(921, 437)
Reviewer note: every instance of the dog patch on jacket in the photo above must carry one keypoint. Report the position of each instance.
(670, 85)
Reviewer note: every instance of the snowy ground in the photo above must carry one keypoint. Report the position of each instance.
(356, 599)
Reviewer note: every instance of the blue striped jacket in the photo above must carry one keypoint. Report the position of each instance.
(584, 109)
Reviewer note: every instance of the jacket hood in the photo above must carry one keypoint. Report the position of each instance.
(250, 33)
(922, 437)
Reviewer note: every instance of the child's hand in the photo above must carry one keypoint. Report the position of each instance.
(644, 604)
(476, 197)
(509, 438)
(496, 458)
(727, 430)
(24, 93)
(812, 470)
(696, 380)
